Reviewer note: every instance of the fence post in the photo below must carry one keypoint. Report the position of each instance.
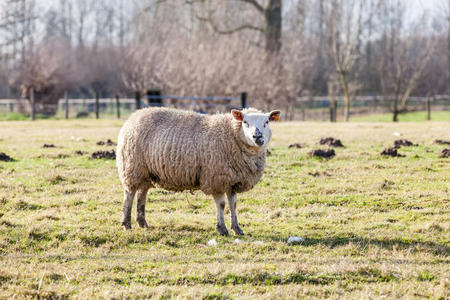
(244, 99)
(138, 100)
(66, 100)
(154, 102)
(118, 106)
(33, 104)
(428, 109)
(97, 104)
(11, 107)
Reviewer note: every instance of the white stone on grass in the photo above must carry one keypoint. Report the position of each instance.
(295, 240)
(237, 241)
(212, 243)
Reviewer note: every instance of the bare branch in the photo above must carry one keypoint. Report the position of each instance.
(255, 4)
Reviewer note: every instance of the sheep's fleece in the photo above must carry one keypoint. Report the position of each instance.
(180, 150)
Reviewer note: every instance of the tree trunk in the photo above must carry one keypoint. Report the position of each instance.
(33, 104)
(66, 102)
(395, 117)
(346, 96)
(97, 105)
(273, 18)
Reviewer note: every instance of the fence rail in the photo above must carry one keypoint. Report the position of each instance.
(82, 107)
(305, 108)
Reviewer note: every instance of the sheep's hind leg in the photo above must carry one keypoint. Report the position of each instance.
(232, 198)
(141, 196)
(220, 204)
(127, 205)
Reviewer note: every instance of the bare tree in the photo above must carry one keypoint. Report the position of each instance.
(270, 27)
(343, 35)
(404, 56)
(46, 70)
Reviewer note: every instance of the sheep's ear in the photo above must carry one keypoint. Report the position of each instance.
(237, 114)
(274, 115)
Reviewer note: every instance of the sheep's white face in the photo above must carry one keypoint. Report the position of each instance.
(255, 126)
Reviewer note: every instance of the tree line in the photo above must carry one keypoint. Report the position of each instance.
(276, 50)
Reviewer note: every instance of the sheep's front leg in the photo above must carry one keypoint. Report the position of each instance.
(232, 199)
(220, 204)
(127, 205)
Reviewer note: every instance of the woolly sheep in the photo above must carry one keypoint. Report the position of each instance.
(179, 150)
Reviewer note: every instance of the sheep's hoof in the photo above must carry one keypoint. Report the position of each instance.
(222, 229)
(237, 230)
(126, 225)
(142, 223)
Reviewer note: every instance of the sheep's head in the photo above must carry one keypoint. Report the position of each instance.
(255, 125)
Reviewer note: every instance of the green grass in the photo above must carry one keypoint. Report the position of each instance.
(374, 227)
(407, 117)
(13, 116)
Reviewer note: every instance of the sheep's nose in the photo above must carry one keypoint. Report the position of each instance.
(259, 140)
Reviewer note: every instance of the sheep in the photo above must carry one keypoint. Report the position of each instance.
(221, 154)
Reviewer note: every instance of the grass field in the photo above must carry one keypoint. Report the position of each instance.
(418, 116)
(374, 227)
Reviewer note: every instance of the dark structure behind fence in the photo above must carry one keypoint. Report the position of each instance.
(154, 98)
(244, 100)
(138, 100)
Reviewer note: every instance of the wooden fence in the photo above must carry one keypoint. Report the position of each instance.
(306, 108)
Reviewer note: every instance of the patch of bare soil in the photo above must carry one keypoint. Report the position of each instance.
(391, 151)
(442, 142)
(445, 153)
(5, 157)
(403, 142)
(323, 153)
(296, 145)
(331, 141)
(48, 146)
(107, 143)
(104, 154)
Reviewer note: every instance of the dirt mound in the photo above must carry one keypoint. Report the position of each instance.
(403, 142)
(5, 157)
(331, 141)
(296, 145)
(48, 146)
(104, 154)
(445, 153)
(323, 153)
(442, 142)
(392, 151)
(107, 143)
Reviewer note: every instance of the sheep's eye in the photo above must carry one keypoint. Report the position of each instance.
(246, 123)
(267, 122)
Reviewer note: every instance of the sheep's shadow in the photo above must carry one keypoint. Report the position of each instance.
(363, 242)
